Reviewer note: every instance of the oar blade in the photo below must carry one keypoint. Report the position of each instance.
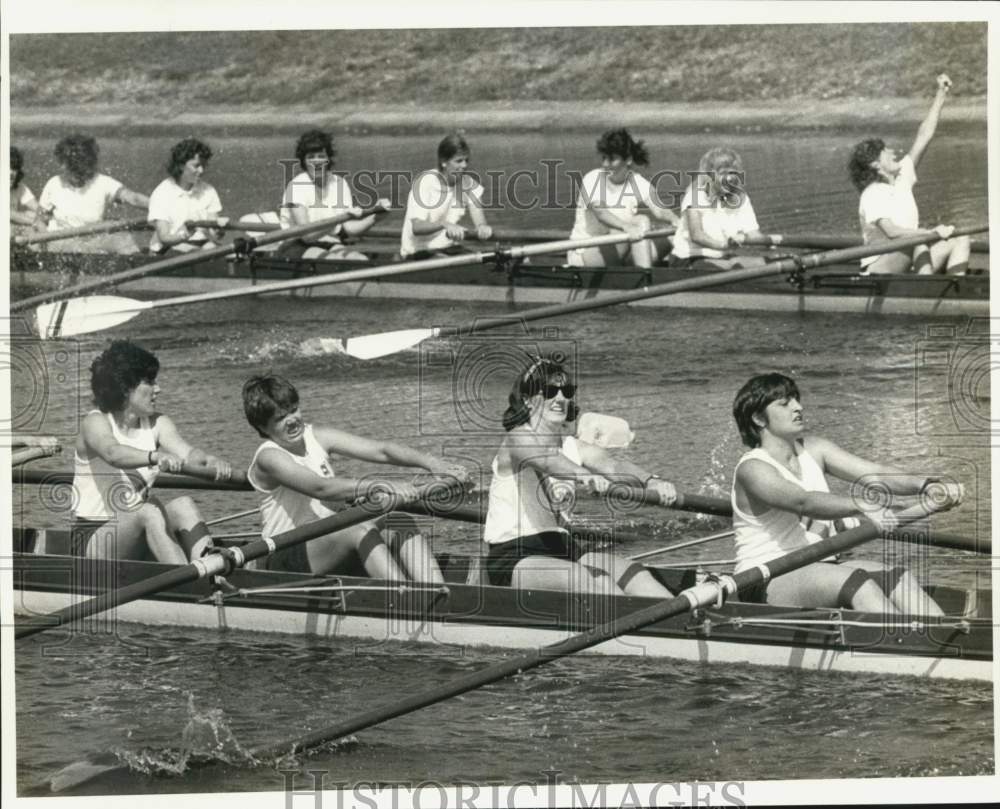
(85, 315)
(369, 346)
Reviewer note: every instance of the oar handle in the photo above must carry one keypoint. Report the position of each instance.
(84, 230)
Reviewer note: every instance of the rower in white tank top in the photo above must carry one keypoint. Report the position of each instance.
(761, 538)
(519, 505)
(283, 508)
(102, 489)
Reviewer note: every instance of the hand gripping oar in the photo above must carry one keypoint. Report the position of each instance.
(84, 230)
(826, 241)
(370, 346)
(186, 260)
(221, 562)
(701, 595)
(90, 314)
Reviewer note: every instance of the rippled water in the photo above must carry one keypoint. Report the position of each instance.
(866, 383)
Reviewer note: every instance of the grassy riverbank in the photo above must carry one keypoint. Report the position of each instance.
(682, 78)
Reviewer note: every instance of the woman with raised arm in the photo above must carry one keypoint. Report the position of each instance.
(317, 192)
(439, 200)
(185, 197)
(293, 471)
(609, 200)
(122, 447)
(781, 501)
(80, 195)
(717, 216)
(887, 209)
(529, 545)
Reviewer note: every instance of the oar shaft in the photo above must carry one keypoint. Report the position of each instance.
(498, 234)
(185, 260)
(213, 564)
(404, 268)
(700, 281)
(826, 241)
(700, 595)
(85, 230)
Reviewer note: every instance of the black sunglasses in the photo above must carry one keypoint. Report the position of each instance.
(568, 390)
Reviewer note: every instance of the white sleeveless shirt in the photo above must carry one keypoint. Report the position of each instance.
(102, 489)
(759, 539)
(519, 505)
(284, 509)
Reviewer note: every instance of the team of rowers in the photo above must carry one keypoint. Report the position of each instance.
(780, 497)
(716, 216)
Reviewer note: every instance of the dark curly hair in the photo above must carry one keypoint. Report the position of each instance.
(315, 140)
(187, 149)
(531, 382)
(117, 372)
(17, 164)
(452, 144)
(266, 396)
(620, 143)
(78, 154)
(860, 164)
(754, 397)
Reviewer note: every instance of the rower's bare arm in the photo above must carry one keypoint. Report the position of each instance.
(599, 460)
(692, 216)
(100, 441)
(133, 198)
(23, 217)
(659, 210)
(927, 128)
(168, 236)
(549, 462)
(894, 231)
(369, 449)
(766, 488)
(280, 470)
(605, 217)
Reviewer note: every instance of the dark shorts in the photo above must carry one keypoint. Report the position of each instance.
(504, 556)
(80, 533)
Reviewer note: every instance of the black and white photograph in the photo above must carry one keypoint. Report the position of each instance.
(557, 404)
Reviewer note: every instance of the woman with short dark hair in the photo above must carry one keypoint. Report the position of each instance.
(184, 197)
(122, 447)
(781, 502)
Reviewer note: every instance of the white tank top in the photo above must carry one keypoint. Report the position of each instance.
(102, 489)
(519, 504)
(759, 539)
(284, 509)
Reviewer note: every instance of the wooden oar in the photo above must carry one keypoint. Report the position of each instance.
(97, 312)
(826, 241)
(370, 346)
(385, 232)
(111, 226)
(217, 563)
(701, 595)
(186, 260)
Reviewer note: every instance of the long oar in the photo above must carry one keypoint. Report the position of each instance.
(97, 312)
(112, 226)
(185, 260)
(218, 563)
(370, 346)
(700, 595)
(386, 232)
(826, 241)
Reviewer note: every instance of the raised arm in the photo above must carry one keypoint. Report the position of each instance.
(929, 125)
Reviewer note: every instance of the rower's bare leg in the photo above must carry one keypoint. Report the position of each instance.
(901, 587)
(644, 252)
(549, 573)
(951, 255)
(922, 262)
(828, 585)
(607, 255)
(186, 523)
(144, 526)
(404, 537)
(630, 577)
(897, 263)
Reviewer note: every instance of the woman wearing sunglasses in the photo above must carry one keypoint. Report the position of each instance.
(539, 459)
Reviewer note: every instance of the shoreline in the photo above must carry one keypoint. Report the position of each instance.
(964, 116)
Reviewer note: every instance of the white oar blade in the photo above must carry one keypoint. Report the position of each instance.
(85, 315)
(369, 346)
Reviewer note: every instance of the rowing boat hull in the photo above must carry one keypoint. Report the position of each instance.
(832, 289)
(466, 615)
